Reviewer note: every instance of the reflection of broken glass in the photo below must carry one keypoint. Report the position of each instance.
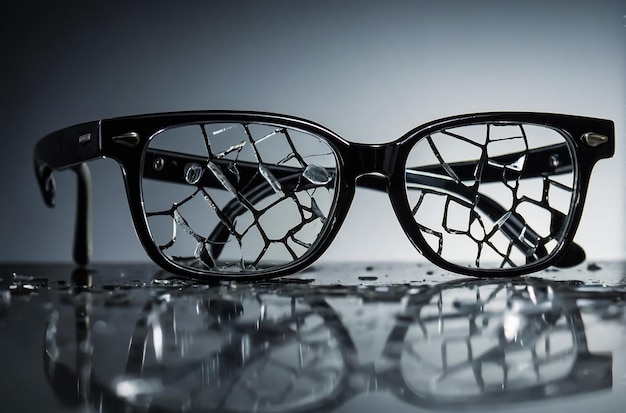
(490, 170)
(481, 341)
(312, 348)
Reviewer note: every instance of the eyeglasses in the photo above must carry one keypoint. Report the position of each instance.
(249, 195)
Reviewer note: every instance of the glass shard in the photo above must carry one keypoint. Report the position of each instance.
(271, 180)
(234, 148)
(269, 135)
(178, 218)
(203, 255)
(317, 210)
(317, 175)
(518, 165)
(223, 180)
(227, 128)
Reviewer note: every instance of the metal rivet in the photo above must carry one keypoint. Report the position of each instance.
(193, 173)
(555, 161)
(594, 139)
(158, 164)
(127, 139)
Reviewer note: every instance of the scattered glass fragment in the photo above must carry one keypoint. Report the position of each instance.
(24, 284)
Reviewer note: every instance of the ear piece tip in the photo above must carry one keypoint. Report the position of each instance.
(47, 184)
(572, 257)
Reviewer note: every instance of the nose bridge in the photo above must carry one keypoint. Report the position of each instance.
(373, 159)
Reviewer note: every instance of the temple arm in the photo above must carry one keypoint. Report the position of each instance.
(71, 148)
(541, 161)
(66, 148)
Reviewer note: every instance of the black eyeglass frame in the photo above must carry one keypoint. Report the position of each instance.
(376, 166)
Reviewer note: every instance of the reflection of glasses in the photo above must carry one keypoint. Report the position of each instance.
(251, 195)
(482, 342)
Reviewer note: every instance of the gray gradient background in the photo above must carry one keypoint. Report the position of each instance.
(370, 71)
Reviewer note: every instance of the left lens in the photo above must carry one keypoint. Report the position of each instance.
(492, 195)
(237, 198)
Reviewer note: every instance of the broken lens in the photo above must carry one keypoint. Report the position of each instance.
(237, 197)
(492, 195)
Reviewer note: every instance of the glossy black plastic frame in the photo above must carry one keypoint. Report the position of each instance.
(376, 166)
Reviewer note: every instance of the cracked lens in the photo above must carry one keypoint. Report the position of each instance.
(235, 197)
(491, 195)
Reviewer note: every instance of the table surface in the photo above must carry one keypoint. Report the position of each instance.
(337, 337)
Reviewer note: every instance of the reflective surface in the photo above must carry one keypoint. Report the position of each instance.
(338, 337)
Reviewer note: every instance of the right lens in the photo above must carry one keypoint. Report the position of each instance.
(237, 198)
(492, 195)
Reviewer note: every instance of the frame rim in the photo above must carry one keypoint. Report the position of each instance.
(354, 160)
